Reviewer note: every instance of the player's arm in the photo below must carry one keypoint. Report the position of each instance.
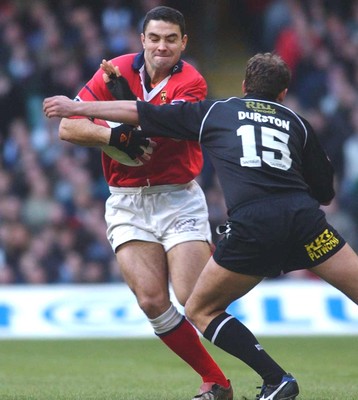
(123, 137)
(117, 111)
(83, 132)
(181, 121)
(318, 170)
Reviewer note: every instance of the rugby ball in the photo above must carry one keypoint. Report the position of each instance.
(116, 154)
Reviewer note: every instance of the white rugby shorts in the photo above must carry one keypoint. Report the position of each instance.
(164, 214)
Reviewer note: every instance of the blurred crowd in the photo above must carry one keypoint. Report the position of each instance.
(52, 193)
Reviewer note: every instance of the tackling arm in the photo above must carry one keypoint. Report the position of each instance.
(180, 121)
(117, 111)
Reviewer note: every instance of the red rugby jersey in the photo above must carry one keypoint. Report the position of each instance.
(172, 161)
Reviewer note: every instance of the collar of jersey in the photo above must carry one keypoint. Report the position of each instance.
(260, 97)
(139, 62)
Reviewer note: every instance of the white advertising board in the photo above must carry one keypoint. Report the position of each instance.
(97, 311)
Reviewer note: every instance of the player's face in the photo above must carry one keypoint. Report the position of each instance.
(163, 44)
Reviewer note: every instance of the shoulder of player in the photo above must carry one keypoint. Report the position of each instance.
(187, 81)
(188, 66)
(300, 120)
(189, 72)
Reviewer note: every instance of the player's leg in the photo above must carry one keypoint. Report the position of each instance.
(341, 271)
(143, 263)
(186, 239)
(140, 256)
(186, 261)
(144, 268)
(215, 290)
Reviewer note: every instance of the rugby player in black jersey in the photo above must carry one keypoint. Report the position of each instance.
(274, 175)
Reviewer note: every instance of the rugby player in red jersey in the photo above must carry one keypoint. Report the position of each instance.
(156, 215)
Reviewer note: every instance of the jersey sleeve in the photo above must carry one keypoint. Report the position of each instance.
(318, 171)
(95, 89)
(181, 120)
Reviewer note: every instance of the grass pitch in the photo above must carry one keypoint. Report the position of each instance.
(143, 369)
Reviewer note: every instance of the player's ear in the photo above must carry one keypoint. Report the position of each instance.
(184, 42)
(281, 96)
(243, 87)
(142, 38)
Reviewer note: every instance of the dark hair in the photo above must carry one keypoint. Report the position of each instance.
(167, 14)
(267, 74)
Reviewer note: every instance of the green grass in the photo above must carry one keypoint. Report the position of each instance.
(326, 367)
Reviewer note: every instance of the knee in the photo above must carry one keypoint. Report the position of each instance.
(191, 313)
(199, 314)
(182, 298)
(153, 305)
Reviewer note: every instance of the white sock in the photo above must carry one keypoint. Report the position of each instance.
(167, 321)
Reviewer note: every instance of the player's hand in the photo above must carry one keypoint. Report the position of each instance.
(58, 106)
(132, 141)
(110, 71)
(115, 82)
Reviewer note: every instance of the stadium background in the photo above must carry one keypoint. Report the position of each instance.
(52, 193)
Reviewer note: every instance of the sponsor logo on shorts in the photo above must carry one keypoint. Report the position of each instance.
(322, 245)
(187, 225)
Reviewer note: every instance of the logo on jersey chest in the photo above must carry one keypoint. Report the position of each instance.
(163, 96)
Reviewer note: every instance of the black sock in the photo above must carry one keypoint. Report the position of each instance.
(236, 339)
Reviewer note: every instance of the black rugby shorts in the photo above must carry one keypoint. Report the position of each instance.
(277, 234)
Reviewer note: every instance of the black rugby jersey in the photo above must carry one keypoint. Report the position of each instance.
(258, 147)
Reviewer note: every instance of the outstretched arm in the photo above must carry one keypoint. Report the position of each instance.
(117, 111)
